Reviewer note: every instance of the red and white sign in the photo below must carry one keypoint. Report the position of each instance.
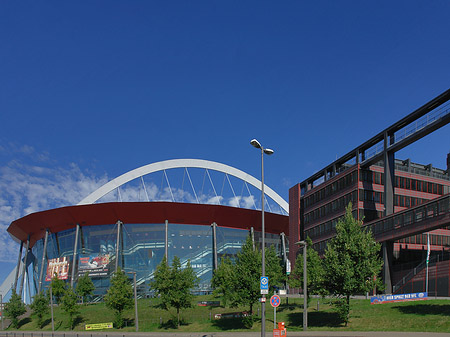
(275, 301)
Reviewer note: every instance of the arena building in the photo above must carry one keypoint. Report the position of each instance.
(97, 237)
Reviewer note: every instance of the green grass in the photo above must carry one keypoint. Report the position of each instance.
(429, 315)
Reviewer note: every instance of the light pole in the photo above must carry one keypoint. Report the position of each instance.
(258, 145)
(305, 285)
(135, 300)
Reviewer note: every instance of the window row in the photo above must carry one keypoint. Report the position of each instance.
(372, 177)
(337, 205)
(404, 183)
(405, 201)
(325, 228)
(399, 200)
(421, 239)
(418, 185)
(338, 185)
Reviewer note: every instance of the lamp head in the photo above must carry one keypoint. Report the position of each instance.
(268, 151)
(255, 143)
(301, 243)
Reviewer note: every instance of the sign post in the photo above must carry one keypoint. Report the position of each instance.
(275, 302)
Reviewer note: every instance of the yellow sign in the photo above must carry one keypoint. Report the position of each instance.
(98, 326)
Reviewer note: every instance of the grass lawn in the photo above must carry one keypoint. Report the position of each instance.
(429, 315)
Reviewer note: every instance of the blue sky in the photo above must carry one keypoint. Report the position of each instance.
(90, 90)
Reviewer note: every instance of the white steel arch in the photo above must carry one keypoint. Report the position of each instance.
(182, 163)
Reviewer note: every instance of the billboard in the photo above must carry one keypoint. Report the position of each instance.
(58, 266)
(94, 265)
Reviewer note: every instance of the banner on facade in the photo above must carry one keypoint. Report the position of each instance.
(58, 267)
(95, 265)
(398, 298)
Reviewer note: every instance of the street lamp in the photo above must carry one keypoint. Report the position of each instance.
(258, 145)
(305, 284)
(135, 300)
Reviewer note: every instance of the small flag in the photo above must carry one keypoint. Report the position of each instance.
(428, 248)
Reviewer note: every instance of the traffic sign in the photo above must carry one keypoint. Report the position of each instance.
(264, 285)
(264, 282)
(275, 301)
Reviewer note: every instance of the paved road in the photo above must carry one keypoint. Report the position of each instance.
(220, 334)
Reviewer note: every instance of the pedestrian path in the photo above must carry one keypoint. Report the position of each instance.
(221, 334)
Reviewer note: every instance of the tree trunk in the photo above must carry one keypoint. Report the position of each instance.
(178, 317)
(348, 309)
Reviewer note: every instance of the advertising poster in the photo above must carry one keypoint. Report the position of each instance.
(58, 266)
(398, 298)
(95, 265)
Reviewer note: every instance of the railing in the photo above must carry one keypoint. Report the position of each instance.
(432, 209)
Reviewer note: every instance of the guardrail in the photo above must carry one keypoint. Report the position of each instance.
(433, 209)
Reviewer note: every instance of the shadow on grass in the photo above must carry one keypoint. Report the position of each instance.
(228, 323)
(315, 319)
(78, 320)
(24, 321)
(172, 324)
(425, 309)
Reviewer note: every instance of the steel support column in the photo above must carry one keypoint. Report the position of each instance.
(166, 244)
(24, 266)
(44, 254)
(389, 176)
(119, 227)
(214, 238)
(74, 255)
(18, 266)
(388, 256)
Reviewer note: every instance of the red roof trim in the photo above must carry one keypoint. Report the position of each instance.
(64, 218)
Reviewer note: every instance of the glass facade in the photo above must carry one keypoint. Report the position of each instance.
(141, 248)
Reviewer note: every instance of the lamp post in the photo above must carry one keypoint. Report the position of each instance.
(258, 145)
(135, 300)
(305, 285)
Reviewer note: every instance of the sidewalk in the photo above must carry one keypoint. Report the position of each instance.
(219, 334)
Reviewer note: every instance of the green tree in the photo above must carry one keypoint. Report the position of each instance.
(40, 307)
(274, 269)
(224, 280)
(352, 260)
(58, 288)
(70, 306)
(119, 296)
(85, 287)
(174, 285)
(238, 281)
(248, 273)
(315, 272)
(14, 308)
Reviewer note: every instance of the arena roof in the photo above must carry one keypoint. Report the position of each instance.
(64, 218)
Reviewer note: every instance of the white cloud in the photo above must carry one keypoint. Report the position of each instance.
(30, 184)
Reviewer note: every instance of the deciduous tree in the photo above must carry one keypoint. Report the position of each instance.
(119, 296)
(315, 272)
(85, 287)
(174, 285)
(352, 260)
(40, 307)
(239, 281)
(58, 288)
(14, 308)
(70, 306)
(223, 281)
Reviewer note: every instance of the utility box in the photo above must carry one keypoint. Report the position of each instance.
(281, 331)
